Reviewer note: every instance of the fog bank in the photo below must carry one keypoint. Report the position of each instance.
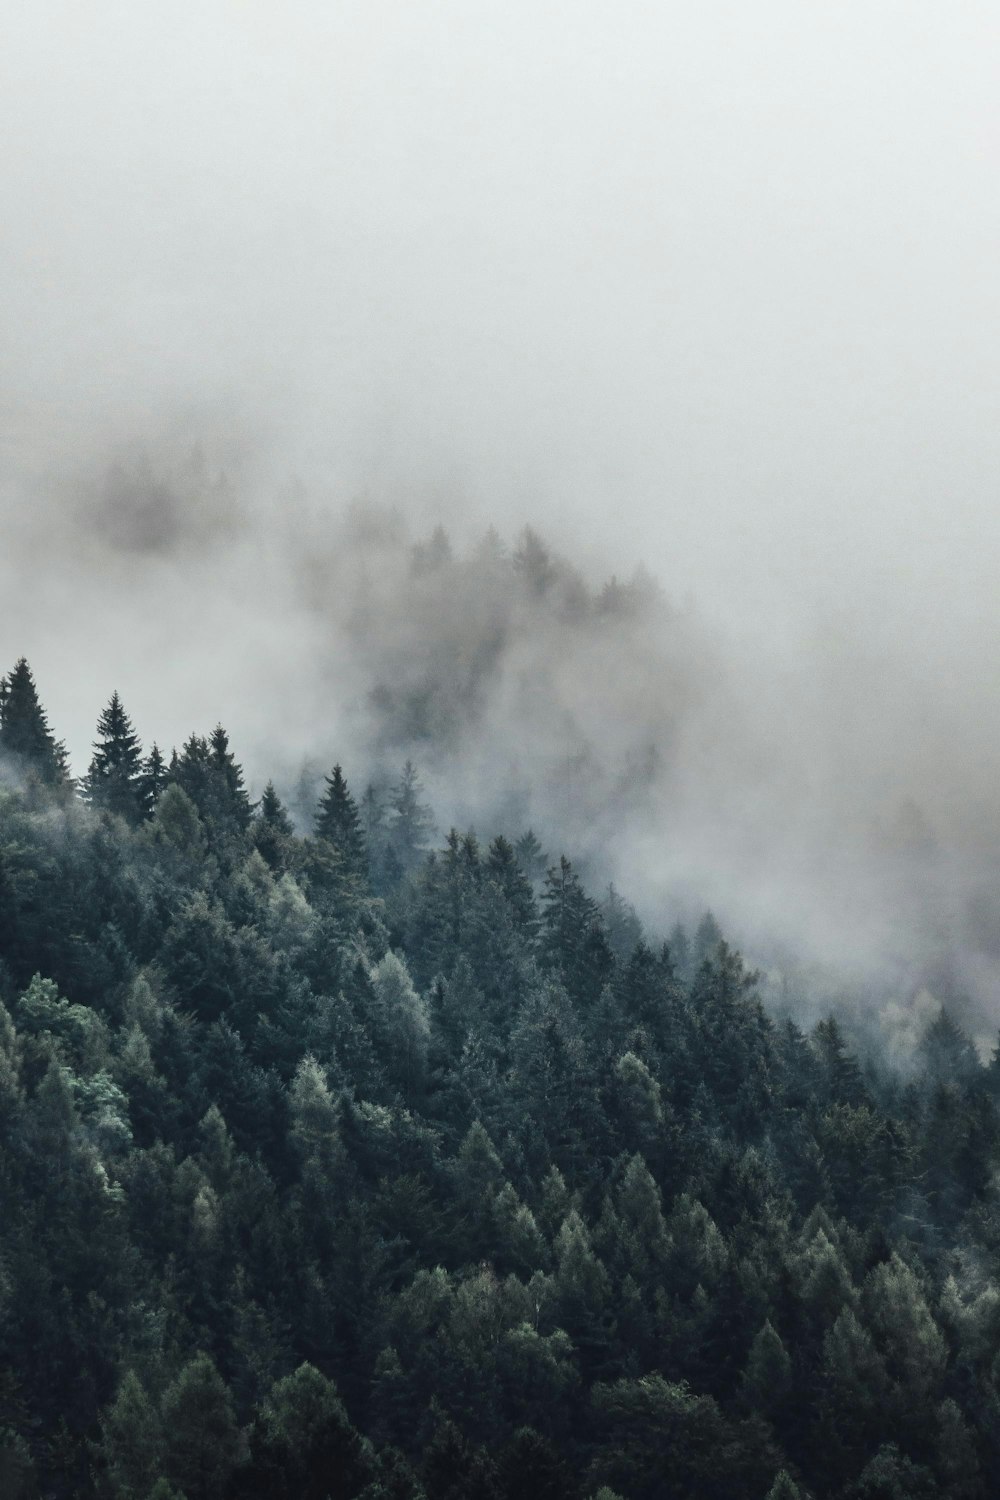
(711, 292)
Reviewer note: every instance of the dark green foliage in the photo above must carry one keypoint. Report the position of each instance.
(116, 781)
(272, 830)
(338, 823)
(461, 1189)
(153, 779)
(25, 737)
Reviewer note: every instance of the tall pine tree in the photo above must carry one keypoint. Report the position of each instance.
(114, 782)
(24, 730)
(339, 823)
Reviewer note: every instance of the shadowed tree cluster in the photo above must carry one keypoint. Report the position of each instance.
(347, 1163)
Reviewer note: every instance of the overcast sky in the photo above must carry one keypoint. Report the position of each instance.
(717, 280)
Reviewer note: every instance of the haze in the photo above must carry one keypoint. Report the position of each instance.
(710, 289)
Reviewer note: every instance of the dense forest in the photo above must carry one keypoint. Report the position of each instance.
(352, 1160)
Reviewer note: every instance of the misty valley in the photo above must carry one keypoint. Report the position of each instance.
(345, 1157)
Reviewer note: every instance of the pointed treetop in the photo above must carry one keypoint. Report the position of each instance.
(114, 782)
(24, 728)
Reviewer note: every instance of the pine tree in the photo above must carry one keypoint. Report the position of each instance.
(24, 728)
(200, 1432)
(412, 820)
(339, 823)
(623, 928)
(154, 779)
(230, 790)
(114, 782)
(273, 832)
(531, 856)
(504, 869)
(572, 942)
(131, 1441)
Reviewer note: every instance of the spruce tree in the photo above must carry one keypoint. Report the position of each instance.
(339, 823)
(154, 779)
(230, 794)
(114, 782)
(412, 822)
(531, 856)
(24, 728)
(272, 831)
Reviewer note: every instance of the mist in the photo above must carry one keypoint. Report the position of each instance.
(707, 293)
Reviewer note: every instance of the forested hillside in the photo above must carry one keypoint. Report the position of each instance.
(364, 1160)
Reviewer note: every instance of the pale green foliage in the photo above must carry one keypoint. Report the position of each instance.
(403, 1015)
(103, 1108)
(517, 1234)
(697, 1243)
(784, 1487)
(143, 1009)
(315, 1115)
(639, 1093)
(482, 1308)
(176, 822)
(538, 1370)
(422, 1306)
(301, 1405)
(956, 1449)
(580, 1277)
(478, 1168)
(291, 921)
(640, 1205)
(824, 1280)
(852, 1366)
(79, 1034)
(898, 1314)
(974, 1324)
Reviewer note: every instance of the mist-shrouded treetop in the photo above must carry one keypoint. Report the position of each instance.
(24, 730)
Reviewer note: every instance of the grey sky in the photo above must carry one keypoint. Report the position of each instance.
(719, 275)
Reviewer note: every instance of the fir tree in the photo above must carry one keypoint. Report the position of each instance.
(228, 785)
(154, 779)
(114, 782)
(24, 728)
(531, 856)
(272, 831)
(412, 820)
(339, 823)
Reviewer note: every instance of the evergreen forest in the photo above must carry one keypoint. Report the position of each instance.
(367, 1161)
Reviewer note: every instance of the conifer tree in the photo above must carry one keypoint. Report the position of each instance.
(339, 823)
(201, 1436)
(504, 869)
(622, 925)
(273, 830)
(114, 782)
(228, 784)
(572, 942)
(272, 810)
(24, 728)
(412, 820)
(531, 856)
(154, 779)
(372, 817)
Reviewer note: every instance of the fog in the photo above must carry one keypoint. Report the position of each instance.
(707, 289)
